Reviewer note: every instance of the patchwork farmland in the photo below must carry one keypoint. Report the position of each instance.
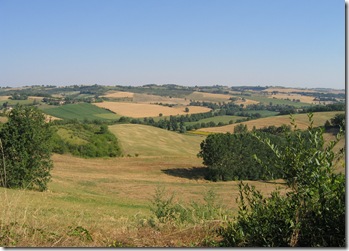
(111, 200)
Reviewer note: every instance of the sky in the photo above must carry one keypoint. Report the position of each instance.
(292, 43)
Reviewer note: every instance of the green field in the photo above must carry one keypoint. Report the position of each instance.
(263, 113)
(217, 119)
(80, 111)
(151, 141)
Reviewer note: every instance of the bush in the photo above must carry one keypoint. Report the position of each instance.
(26, 150)
(167, 210)
(231, 157)
(311, 214)
(99, 141)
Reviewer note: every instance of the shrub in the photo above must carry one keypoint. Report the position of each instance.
(26, 149)
(230, 157)
(311, 214)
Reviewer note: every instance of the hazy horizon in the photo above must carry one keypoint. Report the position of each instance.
(131, 42)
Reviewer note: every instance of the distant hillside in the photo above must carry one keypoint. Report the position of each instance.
(301, 120)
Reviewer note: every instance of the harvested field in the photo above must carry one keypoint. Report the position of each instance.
(211, 97)
(301, 120)
(288, 90)
(246, 102)
(148, 98)
(137, 110)
(35, 97)
(304, 99)
(2, 98)
(119, 95)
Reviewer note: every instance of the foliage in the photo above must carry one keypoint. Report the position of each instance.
(26, 149)
(80, 232)
(230, 157)
(85, 140)
(311, 214)
(240, 128)
(339, 120)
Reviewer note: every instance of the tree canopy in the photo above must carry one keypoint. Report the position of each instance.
(26, 149)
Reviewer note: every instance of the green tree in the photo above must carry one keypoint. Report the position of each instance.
(240, 128)
(339, 120)
(312, 211)
(26, 149)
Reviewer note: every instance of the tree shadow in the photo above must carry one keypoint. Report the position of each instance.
(193, 173)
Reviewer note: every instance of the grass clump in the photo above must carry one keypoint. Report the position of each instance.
(167, 209)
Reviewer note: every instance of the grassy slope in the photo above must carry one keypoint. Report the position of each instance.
(80, 112)
(150, 141)
(301, 120)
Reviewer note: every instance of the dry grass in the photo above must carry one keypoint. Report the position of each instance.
(136, 110)
(301, 121)
(3, 119)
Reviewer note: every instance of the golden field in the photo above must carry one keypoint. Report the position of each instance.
(136, 110)
(119, 95)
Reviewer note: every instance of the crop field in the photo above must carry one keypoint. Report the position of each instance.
(119, 95)
(80, 112)
(15, 102)
(136, 110)
(288, 90)
(148, 98)
(211, 97)
(301, 121)
(302, 98)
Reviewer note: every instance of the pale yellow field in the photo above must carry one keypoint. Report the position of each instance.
(49, 118)
(212, 97)
(304, 99)
(119, 95)
(286, 90)
(2, 98)
(148, 98)
(34, 97)
(136, 110)
(246, 102)
(301, 121)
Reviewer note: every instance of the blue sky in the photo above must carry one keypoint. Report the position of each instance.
(295, 43)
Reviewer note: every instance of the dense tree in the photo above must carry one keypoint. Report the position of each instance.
(26, 149)
(339, 120)
(231, 156)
